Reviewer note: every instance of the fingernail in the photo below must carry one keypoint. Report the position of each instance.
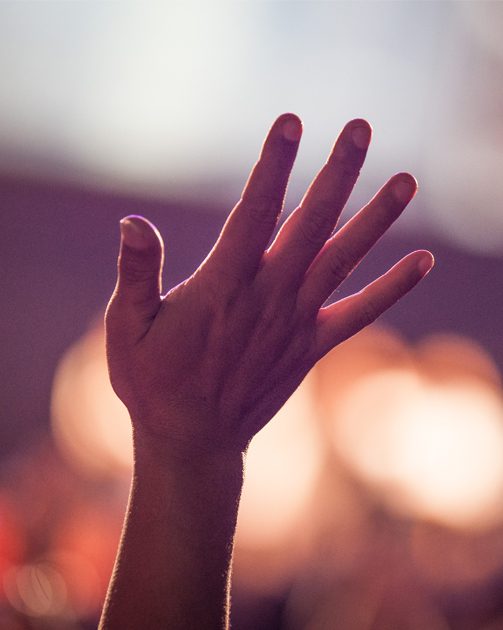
(292, 130)
(404, 189)
(361, 136)
(133, 234)
(425, 264)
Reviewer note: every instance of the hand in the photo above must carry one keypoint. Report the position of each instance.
(206, 366)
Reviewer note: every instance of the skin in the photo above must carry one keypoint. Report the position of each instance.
(203, 368)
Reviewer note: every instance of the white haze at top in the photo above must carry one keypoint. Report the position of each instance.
(173, 99)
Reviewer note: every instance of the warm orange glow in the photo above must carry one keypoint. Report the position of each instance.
(276, 520)
(451, 357)
(421, 425)
(38, 590)
(283, 464)
(432, 450)
(84, 545)
(91, 426)
(84, 584)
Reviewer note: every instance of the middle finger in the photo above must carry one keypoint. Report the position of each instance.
(310, 225)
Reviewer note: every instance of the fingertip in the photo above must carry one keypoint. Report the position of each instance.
(425, 263)
(290, 126)
(140, 264)
(407, 177)
(138, 233)
(361, 132)
(404, 187)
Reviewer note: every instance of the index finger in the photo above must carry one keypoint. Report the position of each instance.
(251, 223)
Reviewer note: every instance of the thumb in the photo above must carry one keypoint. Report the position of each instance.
(139, 267)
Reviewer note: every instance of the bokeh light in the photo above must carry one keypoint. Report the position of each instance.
(388, 452)
(282, 467)
(90, 424)
(423, 426)
(37, 590)
(435, 451)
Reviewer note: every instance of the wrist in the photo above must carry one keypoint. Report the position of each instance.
(159, 454)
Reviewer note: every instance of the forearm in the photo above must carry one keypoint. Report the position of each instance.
(174, 563)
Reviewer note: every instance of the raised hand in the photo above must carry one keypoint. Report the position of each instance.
(208, 364)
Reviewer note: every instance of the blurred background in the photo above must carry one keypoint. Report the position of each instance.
(374, 501)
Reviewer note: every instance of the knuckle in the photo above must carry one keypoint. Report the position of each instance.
(135, 272)
(274, 317)
(369, 312)
(340, 264)
(317, 226)
(264, 211)
(402, 286)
